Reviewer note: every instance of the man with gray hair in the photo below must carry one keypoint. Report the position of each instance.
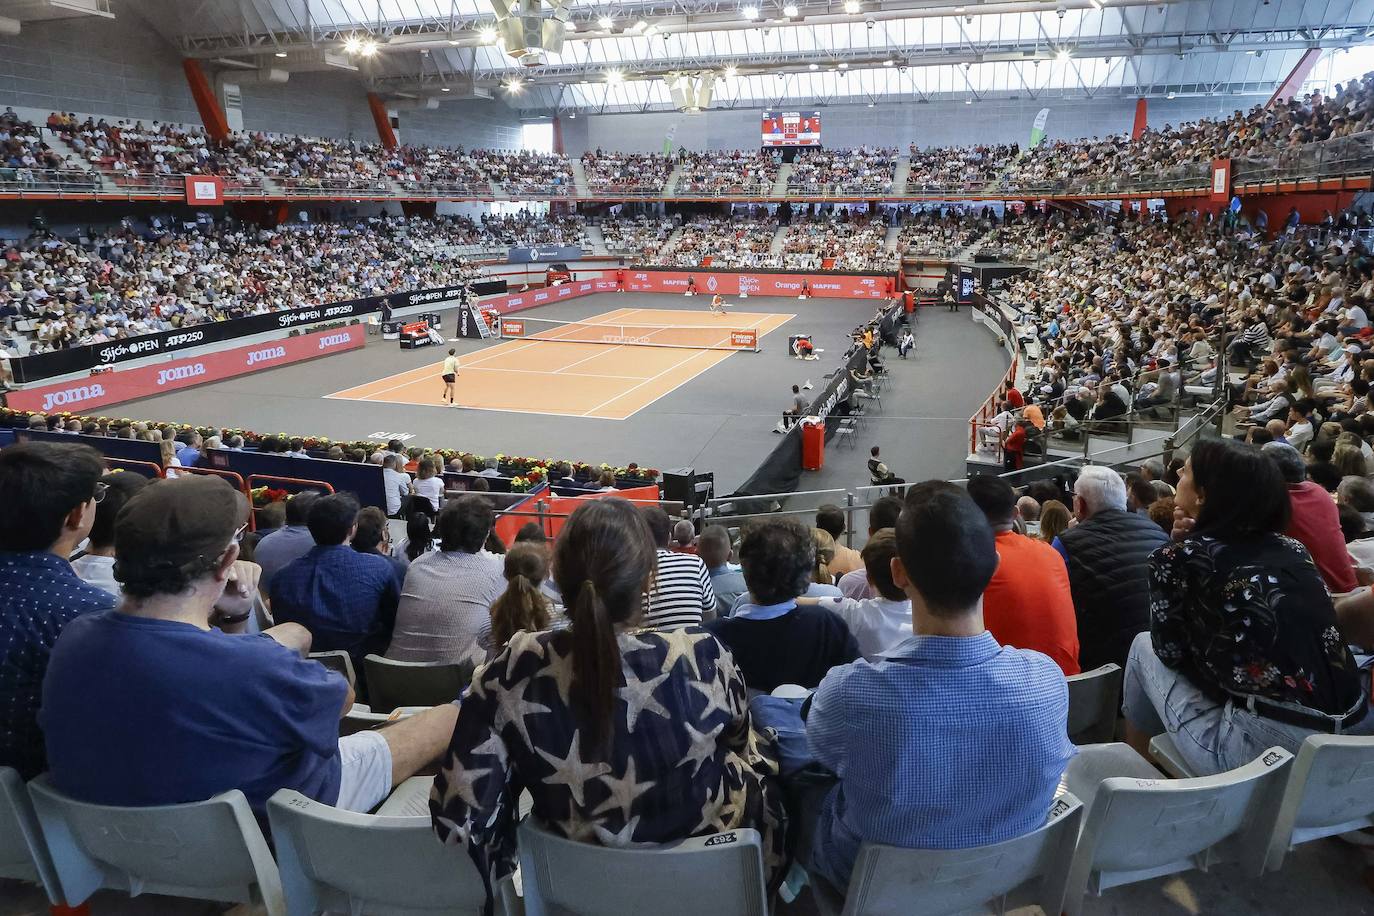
(1107, 554)
(1357, 494)
(1315, 520)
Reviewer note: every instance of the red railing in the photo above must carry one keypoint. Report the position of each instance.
(989, 409)
(130, 464)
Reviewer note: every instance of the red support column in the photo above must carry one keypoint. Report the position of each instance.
(211, 115)
(1294, 80)
(1138, 128)
(558, 135)
(382, 120)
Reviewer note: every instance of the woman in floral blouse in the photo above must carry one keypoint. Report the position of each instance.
(1243, 651)
(622, 735)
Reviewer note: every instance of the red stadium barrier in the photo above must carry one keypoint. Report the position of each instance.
(144, 381)
(506, 305)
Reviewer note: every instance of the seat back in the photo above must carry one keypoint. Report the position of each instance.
(887, 879)
(23, 850)
(1330, 790)
(392, 683)
(337, 660)
(1143, 828)
(718, 873)
(339, 861)
(1094, 702)
(210, 850)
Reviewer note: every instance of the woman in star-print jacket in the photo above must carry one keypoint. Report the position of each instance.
(622, 735)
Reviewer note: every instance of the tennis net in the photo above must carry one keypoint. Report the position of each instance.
(699, 337)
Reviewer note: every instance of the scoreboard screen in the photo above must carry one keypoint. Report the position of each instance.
(791, 128)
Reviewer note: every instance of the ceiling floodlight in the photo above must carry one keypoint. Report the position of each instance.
(486, 35)
(852, 7)
(790, 11)
(750, 12)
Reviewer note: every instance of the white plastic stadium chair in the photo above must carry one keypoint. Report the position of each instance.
(1094, 703)
(1139, 825)
(1329, 790)
(720, 873)
(210, 850)
(23, 850)
(341, 862)
(890, 881)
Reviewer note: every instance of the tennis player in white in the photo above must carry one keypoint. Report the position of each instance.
(450, 376)
(718, 305)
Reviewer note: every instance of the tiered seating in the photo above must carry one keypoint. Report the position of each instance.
(969, 168)
(848, 242)
(124, 285)
(642, 236)
(727, 173)
(727, 242)
(526, 172)
(820, 173)
(609, 172)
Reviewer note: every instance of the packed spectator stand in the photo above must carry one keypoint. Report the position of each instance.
(716, 173)
(610, 172)
(842, 172)
(727, 709)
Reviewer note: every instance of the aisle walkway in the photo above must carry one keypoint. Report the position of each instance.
(922, 428)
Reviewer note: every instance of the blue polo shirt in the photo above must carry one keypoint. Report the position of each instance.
(942, 743)
(159, 712)
(346, 599)
(39, 596)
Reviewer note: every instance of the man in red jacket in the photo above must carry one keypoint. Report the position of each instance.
(1316, 521)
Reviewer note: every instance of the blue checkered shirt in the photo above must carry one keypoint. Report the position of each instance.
(346, 599)
(942, 743)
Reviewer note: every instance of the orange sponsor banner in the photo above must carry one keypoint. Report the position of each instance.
(512, 327)
(745, 340)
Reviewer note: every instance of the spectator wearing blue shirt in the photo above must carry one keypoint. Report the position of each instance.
(49, 493)
(949, 740)
(346, 599)
(713, 546)
(159, 703)
(279, 549)
(189, 446)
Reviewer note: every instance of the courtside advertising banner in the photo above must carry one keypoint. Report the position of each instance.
(558, 293)
(114, 387)
(823, 286)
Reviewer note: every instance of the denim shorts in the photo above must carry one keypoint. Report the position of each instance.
(1211, 737)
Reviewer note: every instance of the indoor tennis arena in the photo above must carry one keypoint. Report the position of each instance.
(856, 457)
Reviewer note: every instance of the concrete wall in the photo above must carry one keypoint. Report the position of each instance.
(473, 123)
(941, 123)
(117, 67)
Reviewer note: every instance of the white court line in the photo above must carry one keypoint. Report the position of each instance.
(428, 366)
(676, 365)
(628, 378)
(755, 326)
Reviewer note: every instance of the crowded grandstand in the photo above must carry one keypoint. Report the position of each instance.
(501, 461)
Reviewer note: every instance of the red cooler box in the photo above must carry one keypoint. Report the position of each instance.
(813, 445)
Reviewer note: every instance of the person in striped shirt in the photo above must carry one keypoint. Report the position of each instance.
(681, 593)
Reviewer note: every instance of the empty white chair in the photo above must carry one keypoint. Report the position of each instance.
(1094, 703)
(210, 850)
(23, 850)
(1330, 790)
(342, 862)
(1139, 825)
(719, 873)
(890, 881)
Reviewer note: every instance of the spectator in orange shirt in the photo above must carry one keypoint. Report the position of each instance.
(1028, 603)
(1035, 415)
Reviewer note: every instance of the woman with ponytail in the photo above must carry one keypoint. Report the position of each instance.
(622, 734)
(522, 606)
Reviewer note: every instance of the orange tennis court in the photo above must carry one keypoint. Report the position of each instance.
(609, 366)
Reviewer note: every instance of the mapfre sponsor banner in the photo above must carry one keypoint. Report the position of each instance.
(731, 283)
(145, 381)
(537, 297)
